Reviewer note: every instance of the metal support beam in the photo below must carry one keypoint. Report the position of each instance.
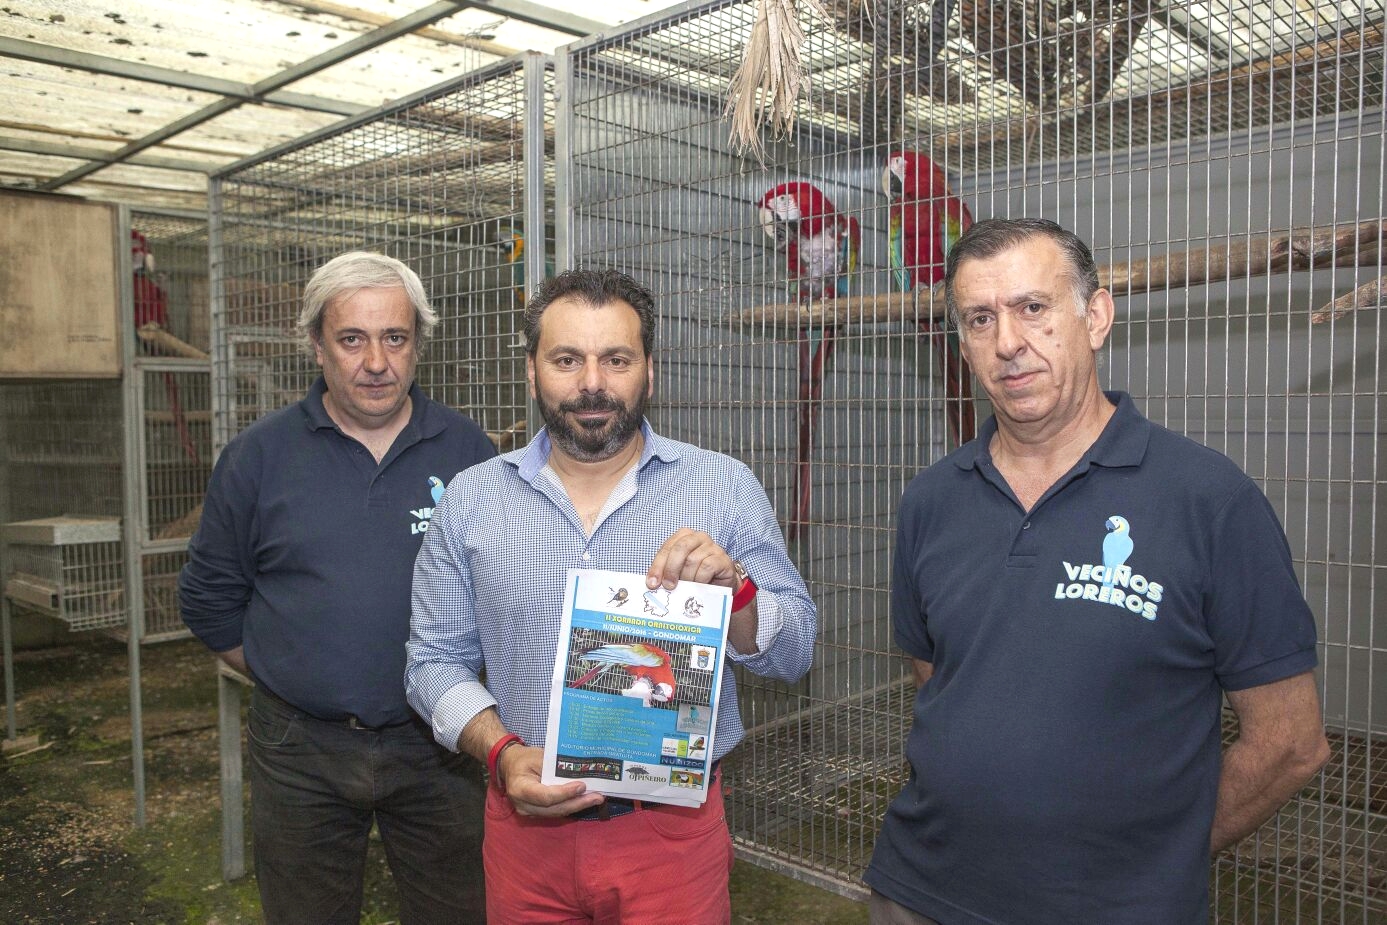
(539, 15)
(259, 91)
(115, 67)
(78, 152)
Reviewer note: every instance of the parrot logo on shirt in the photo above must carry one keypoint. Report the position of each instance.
(422, 515)
(1117, 547)
(652, 678)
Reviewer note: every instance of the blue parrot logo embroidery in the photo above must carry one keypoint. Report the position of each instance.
(1117, 547)
(422, 515)
(1120, 586)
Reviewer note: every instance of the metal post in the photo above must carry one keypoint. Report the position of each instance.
(563, 150)
(536, 222)
(10, 728)
(229, 684)
(220, 350)
(134, 514)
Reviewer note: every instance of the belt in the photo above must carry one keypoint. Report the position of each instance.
(350, 721)
(608, 809)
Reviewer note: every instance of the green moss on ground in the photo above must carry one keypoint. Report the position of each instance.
(70, 854)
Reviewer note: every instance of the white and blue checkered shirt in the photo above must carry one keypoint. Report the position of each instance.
(489, 580)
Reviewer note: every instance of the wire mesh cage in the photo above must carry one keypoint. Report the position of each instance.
(172, 319)
(61, 447)
(456, 182)
(1224, 161)
(69, 568)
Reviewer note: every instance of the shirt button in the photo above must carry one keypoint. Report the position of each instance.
(1026, 525)
(587, 556)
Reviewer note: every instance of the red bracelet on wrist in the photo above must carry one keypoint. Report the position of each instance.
(745, 594)
(494, 756)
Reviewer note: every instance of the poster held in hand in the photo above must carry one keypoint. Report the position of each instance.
(635, 688)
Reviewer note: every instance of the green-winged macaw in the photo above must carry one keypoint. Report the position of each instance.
(652, 678)
(820, 247)
(152, 307)
(926, 219)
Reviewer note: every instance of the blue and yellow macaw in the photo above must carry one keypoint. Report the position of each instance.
(511, 241)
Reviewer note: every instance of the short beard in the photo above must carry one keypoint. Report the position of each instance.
(592, 444)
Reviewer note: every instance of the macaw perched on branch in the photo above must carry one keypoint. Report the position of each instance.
(926, 219)
(820, 248)
(652, 679)
(152, 308)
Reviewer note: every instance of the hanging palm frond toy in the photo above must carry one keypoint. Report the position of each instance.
(764, 88)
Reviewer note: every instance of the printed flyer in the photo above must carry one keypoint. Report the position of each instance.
(635, 688)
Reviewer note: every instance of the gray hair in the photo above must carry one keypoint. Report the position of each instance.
(356, 270)
(992, 236)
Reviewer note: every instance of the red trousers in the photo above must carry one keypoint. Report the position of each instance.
(660, 865)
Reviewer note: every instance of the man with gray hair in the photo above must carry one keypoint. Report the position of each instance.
(299, 575)
(1078, 590)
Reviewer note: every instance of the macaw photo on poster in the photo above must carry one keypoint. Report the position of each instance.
(635, 687)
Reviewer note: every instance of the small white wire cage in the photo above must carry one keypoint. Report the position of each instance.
(68, 568)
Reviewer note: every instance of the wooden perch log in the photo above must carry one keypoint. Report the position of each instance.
(1305, 249)
(1369, 295)
(920, 305)
(508, 438)
(167, 344)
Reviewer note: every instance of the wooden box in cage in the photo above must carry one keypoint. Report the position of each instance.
(68, 567)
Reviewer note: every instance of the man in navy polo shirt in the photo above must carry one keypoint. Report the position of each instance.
(300, 575)
(1078, 589)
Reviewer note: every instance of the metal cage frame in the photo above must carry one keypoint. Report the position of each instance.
(1284, 144)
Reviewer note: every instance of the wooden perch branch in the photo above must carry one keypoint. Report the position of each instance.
(1368, 295)
(156, 336)
(1305, 249)
(508, 438)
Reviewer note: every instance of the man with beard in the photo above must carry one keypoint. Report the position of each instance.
(596, 489)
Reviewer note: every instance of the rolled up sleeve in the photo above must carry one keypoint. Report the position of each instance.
(787, 620)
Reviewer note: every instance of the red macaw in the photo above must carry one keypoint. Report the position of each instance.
(820, 248)
(152, 307)
(926, 220)
(649, 667)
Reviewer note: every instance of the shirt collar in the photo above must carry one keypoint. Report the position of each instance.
(423, 417)
(1122, 442)
(531, 459)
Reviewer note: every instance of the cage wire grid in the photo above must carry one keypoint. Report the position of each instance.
(171, 291)
(1196, 146)
(438, 181)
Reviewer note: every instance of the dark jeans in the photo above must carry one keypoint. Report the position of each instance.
(315, 789)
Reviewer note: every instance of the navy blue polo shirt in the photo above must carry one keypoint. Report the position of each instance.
(305, 552)
(1065, 753)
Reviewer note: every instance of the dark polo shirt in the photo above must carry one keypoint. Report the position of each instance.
(1065, 753)
(306, 550)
